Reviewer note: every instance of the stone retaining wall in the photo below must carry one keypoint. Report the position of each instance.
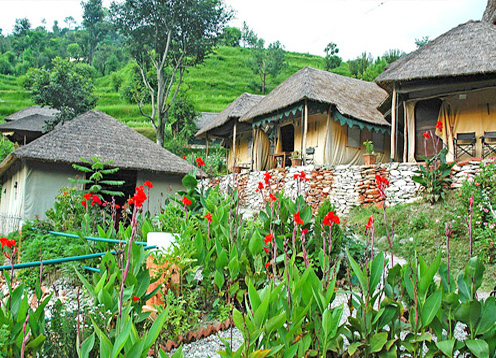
(345, 185)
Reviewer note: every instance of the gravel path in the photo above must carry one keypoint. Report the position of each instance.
(208, 347)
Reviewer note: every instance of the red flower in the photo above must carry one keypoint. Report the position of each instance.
(370, 223)
(426, 135)
(260, 186)
(139, 197)
(272, 197)
(186, 201)
(87, 196)
(117, 206)
(297, 219)
(84, 203)
(199, 162)
(439, 126)
(96, 200)
(330, 219)
(184, 157)
(296, 176)
(136, 298)
(148, 184)
(209, 217)
(267, 264)
(471, 200)
(304, 231)
(268, 238)
(380, 181)
(303, 176)
(266, 250)
(267, 177)
(4, 241)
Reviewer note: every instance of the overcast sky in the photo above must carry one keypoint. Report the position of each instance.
(305, 26)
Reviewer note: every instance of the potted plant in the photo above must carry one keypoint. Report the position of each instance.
(369, 155)
(296, 159)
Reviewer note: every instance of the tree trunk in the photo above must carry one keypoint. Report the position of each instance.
(490, 12)
(263, 83)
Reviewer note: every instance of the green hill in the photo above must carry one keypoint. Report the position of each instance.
(212, 85)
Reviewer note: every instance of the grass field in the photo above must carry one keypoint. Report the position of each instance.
(212, 85)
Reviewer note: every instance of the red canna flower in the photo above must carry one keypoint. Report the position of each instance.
(4, 241)
(272, 197)
(296, 176)
(297, 219)
(267, 177)
(267, 264)
(370, 223)
(84, 203)
(148, 184)
(303, 176)
(96, 200)
(330, 219)
(266, 250)
(260, 186)
(439, 126)
(304, 231)
(268, 238)
(186, 201)
(139, 197)
(199, 161)
(117, 206)
(426, 135)
(209, 217)
(87, 196)
(184, 157)
(136, 298)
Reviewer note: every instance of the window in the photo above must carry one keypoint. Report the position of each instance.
(378, 140)
(354, 137)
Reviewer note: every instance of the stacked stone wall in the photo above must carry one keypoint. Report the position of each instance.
(346, 186)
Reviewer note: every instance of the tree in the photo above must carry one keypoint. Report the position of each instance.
(70, 22)
(422, 41)
(360, 64)
(93, 22)
(230, 36)
(64, 88)
(248, 37)
(392, 55)
(165, 37)
(331, 59)
(267, 61)
(74, 50)
(21, 27)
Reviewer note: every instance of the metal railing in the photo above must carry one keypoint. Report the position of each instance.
(76, 258)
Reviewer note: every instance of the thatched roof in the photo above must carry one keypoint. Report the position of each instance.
(352, 97)
(96, 134)
(31, 123)
(33, 110)
(205, 118)
(236, 109)
(466, 50)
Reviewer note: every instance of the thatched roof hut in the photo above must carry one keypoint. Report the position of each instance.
(451, 79)
(96, 134)
(30, 111)
(464, 51)
(32, 175)
(351, 97)
(220, 125)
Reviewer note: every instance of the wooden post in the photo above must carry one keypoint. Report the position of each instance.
(305, 130)
(393, 125)
(206, 140)
(234, 144)
(252, 148)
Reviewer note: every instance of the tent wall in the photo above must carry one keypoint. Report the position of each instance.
(43, 182)
(469, 112)
(261, 151)
(243, 152)
(163, 186)
(12, 198)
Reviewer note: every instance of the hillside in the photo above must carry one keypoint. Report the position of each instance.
(212, 85)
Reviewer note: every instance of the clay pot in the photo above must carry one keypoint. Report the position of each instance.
(296, 162)
(369, 159)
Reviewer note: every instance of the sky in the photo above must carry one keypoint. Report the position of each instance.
(307, 26)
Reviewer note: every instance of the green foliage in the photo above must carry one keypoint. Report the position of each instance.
(483, 189)
(337, 232)
(95, 181)
(434, 177)
(63, 87)
(67, 212)
(332, 60)
(267, 61)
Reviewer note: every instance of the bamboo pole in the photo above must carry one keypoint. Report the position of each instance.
(252, 148)
(234, 144)
(305, 130)
(206, 140)
(393, 125)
